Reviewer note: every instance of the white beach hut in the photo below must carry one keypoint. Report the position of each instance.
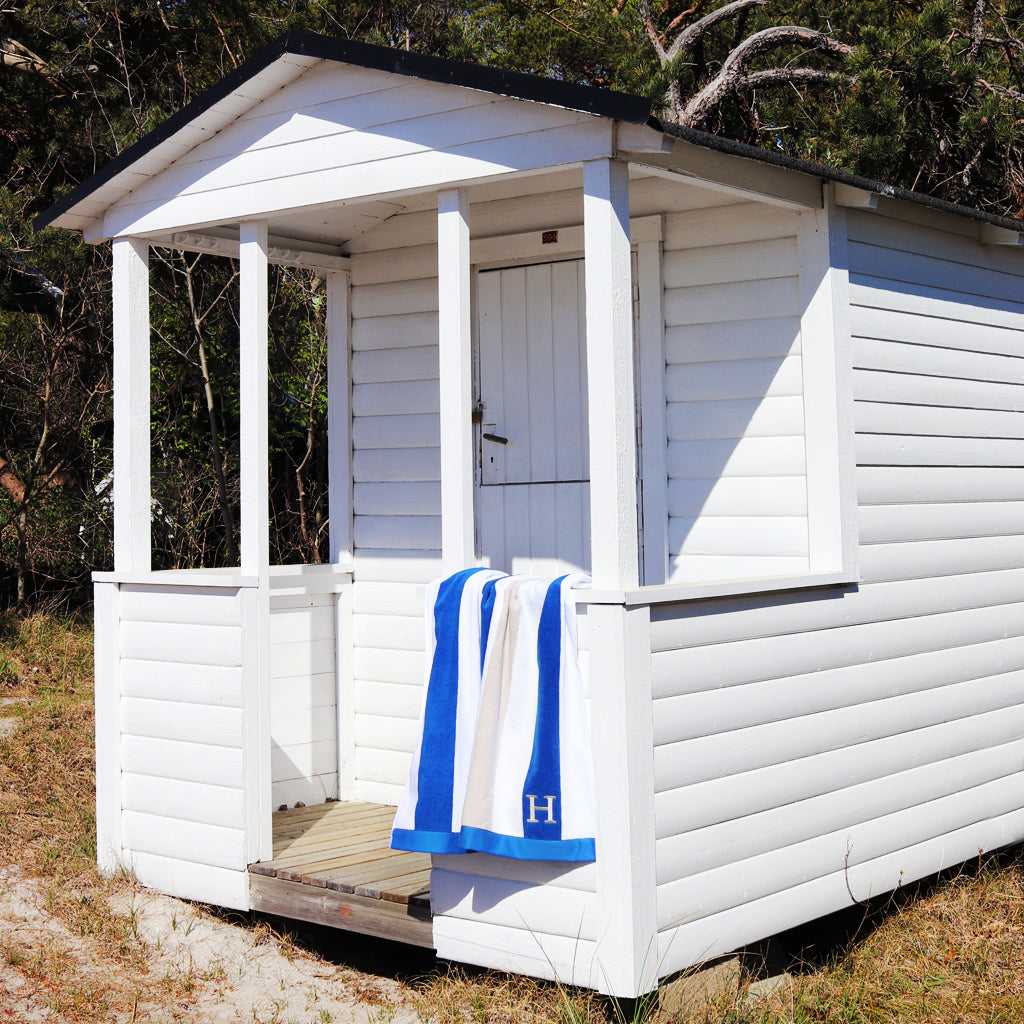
(774, 409)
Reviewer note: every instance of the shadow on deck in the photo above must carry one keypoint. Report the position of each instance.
(332, 866)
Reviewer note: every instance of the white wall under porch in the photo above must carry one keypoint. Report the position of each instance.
(179, 729)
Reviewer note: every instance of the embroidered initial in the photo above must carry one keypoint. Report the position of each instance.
(548, 808)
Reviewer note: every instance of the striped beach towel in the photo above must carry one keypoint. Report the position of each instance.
(503, 764)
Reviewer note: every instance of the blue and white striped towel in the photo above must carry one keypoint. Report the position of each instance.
(503, 764)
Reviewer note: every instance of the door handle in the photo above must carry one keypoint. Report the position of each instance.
(496, 438)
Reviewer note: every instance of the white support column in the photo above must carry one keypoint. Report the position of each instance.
(339, 418)
(339, 476)
(132, 541)
(620, 641)
(254, 520)
(458, 544)
(254, 514)
(613, 519)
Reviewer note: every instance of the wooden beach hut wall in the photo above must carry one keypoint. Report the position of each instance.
(773, 409)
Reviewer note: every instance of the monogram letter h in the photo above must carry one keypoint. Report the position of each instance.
(548, 808)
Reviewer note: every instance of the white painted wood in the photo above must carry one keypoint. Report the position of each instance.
(738, 496)
(399, 532)
(711, 891)
(751, 378)
(610, 387)
(737, 261)
(570, 961)
(727, 340)
(532, 391)
(414, 397)
(855, 198)
(744, 300)
(181, 643)
(456, 376)
(386, 732)
(781, 416)
(346, 694)
(394, 298)
(703, 849)
(190, 881)
(186, 801)
(384, 466)
(213, 845)
(107, 689)
(621, 723)
(743, 222)
(384, 665)
(869, 290)
(132, 540)
(769, 657)
(719, 458)
(298, 255)
(878, 485)
(691, 943)
(397, 431)
(828, 395)
(382, 766)
(888, 524)
(703, 803)
(674, 628)
(719, 172)
(762, 745)
(653, 429)
(195, 723)
(890, 418)
(215, 685)
(304, 761)
(943, 331)
(396, 566)
(426, 169)
(396, 330)
(253, 457)
(938, 362)
(535, 908)
(339, 418)
(194, 606)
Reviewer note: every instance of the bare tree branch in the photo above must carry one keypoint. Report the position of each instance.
(692, 33)
(977, 28)
(1002, 91)
(734, 75)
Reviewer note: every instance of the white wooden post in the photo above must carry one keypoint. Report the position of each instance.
(107, 697)
(132, 543)
(613, 519)
(620, 648)
(339, 477)
(458, 547)
(254, 519)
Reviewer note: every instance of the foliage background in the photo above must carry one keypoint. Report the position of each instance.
(928, 100)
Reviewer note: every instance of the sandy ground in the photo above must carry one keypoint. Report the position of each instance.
(233, 972)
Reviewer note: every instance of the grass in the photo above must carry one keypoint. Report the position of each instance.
(947, 950)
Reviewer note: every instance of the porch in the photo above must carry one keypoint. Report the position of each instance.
(332, 866)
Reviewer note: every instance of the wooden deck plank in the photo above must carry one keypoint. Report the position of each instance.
(402, 923)
(332, 853)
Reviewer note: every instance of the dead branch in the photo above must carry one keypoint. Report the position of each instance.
(1002, 91)
(977, 28)
(690, 35)
(735, 77)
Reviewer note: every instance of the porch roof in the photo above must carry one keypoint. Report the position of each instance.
(291, 56)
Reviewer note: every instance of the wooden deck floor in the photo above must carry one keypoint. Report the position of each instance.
(332, 866)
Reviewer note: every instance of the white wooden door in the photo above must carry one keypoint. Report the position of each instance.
(533, 494)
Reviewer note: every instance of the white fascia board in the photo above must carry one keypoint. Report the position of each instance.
(732, 175)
